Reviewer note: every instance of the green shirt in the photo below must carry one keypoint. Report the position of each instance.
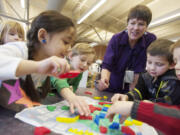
(59, 84)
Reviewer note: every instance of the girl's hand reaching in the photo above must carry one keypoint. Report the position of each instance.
(53, 66)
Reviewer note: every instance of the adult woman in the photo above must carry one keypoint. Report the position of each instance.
(126, 52)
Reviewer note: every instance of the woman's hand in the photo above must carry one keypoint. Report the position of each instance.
(121, 107)
(103, 84)
(119, 97)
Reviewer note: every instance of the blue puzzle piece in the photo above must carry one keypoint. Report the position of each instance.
(96, 120)
(114, 125)
(102, 115)
(104, 109)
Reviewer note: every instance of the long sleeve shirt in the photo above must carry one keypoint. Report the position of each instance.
(13, 89)
(59, 84)
(11, 55)
(120, 56)
(164, 117)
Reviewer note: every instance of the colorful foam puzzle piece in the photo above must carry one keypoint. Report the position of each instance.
(51, 108)
(137, 123)
(93, 108)
(128, 123)
(107, 105)
(102, 103)
(103, 129)
(65, 107)
(114, 125)
(82, 117)
(79, 132)
(70, 74)
(88, 93)
(97, 98)
(96, 120)
(127, 130)
(105, 109)
(67, 120)
(102, 115)
(41, 131)
(105, 97)
(51, 94)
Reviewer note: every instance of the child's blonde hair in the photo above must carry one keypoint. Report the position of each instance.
(9, 25)
(175, 45)
(83, 48)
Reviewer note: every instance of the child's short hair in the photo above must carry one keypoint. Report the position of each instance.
(174, 46)
(9, 25)
(161, 47)
(140, 12)
(83, 48)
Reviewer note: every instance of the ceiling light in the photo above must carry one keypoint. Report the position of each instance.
(165, 19)
(93, 44)
(94, 8)
(23, 3)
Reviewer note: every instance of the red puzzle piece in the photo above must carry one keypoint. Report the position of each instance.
(127, 130)
(93, 108)
(88, 93)
(70, 74)
(81, 117)
(103, 129)
(102, 103)
(41, 131)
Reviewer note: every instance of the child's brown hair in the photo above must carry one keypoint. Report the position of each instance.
(9, 25)
(161, 47)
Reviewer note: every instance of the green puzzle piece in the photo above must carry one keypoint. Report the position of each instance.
(51, 108)
(65, 107)
(51, 94)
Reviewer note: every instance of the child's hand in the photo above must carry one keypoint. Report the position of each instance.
(121, 107)
(119, 97)
(53, 66)
(79, 103)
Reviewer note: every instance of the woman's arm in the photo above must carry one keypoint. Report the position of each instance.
(104, 81)
(135, 81)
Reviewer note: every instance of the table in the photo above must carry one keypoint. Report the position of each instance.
(12, 126)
